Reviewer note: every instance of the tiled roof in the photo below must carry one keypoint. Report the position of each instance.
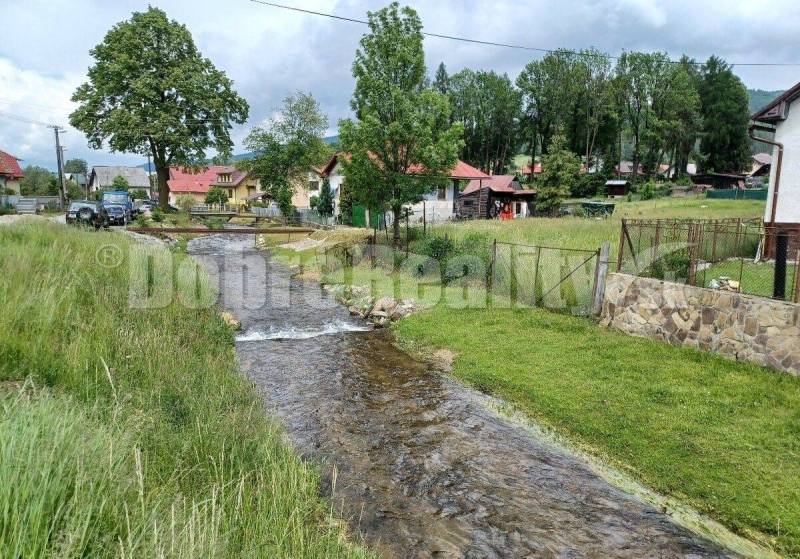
(9, 166)
(462, 171)
(182, 179)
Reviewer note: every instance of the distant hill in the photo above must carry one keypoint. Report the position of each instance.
(759, 98)
(330, 140)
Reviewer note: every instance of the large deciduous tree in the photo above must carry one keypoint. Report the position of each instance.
(724, 144)
(38, 181)
(401, 144)
(76, 166)
(151, 91)
(286, 147)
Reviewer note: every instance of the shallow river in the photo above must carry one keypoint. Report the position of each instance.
(423, 468)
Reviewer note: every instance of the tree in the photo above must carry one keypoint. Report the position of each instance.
(74, 190)
(287, 147)
(151, 91)
(38, 181)
(139, 194)
(401, 145)
(216, 195)
(441, 82)
(120, 183)
(76, 166)
(325, 201)
(560, 168)
(724, 144)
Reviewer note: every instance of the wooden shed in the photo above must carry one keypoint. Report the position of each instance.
(500, 196)
(617, 187)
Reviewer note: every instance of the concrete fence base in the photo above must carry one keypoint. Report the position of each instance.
(741, 327)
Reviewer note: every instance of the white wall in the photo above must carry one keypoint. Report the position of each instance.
(787, 133)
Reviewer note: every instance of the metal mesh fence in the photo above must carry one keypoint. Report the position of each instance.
(560, 279)
(732, 255)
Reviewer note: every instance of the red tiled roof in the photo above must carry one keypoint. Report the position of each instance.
(9, 166)
(763, 158)
(497, 183)
(182, 179)
(537, 168)
(462, 171)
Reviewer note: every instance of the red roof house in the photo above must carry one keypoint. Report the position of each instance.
(10, 172)
(183, 180)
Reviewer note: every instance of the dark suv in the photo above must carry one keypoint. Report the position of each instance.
(88, 212)
(116, 214)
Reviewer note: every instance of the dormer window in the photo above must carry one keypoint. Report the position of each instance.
(224, 177)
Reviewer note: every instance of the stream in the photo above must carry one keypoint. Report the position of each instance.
(413, 460)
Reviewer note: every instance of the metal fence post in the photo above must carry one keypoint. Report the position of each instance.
(781, 252)
(601, 272)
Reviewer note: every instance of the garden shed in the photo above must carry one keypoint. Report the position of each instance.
(617, 187)
(498, 196)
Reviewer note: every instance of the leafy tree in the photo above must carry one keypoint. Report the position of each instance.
(216, 195)
(139, 194)
(151, 91)
(76, 166)
(74, 190)
(313, 201)
(488, 107)
(120, 183)
(286, 147)
(400, 144)
(560, 168)
(325, 201)
(724, 144)
(38, 181)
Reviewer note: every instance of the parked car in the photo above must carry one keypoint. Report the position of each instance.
(146, 206)
(116, 214)
(87, 212)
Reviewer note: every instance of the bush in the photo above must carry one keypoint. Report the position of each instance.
(185, 202)
(313, 201)
(142, 221)
(158, 215)
(216, 196)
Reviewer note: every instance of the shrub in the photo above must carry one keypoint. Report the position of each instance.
(158, 215)
(216, 196)
(185, 202)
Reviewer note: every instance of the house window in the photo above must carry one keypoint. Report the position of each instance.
(230, 192)
(467, 203)
(313, 185)
(517, 208)
(442, 193)
(224, 177)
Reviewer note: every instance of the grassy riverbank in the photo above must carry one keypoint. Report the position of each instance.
(720, 435)
(129, 432)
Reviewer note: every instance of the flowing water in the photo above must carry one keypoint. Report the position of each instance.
(422, 467)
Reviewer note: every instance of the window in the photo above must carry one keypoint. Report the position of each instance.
(467, 203)
(442, 193)
(224, 177)
(313, 185)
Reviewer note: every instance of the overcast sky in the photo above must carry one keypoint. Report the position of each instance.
(269, 52)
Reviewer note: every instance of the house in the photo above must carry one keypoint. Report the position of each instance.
(309, 185)
(498, 196)
(762, 164)
(10, 173)
(197, 182)
(102, 178)
(532, 171)
(625, 169)
(617, 188)
(782, 116)
(720, 181)
(439, 205)
(668, 172)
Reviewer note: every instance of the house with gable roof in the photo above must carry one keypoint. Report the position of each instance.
(10, 173)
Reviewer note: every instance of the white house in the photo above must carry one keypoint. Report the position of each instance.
(439, 205)
(783, 200)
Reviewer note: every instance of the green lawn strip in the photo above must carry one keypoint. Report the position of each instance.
(756, 278)
(723, 436)
(135, 436)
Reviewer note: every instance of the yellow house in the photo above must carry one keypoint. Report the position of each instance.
(305, 187)
(184, 181)
(10, 173)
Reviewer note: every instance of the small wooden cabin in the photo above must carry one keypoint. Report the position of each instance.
(720, 181)
(500, 196)
(618, 187)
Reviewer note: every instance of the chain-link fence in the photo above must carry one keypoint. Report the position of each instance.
(561, 279)
(730, 254)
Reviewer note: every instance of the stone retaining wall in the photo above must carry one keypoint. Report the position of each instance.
(742, 327)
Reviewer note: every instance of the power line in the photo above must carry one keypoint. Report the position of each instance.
(502, 45)
(26, 120)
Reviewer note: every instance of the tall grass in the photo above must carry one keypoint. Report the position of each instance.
(135, 435)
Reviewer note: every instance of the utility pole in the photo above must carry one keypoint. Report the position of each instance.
(60, 162)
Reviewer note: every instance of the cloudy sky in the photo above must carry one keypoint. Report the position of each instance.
(270, 52)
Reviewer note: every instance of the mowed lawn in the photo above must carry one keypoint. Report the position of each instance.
(720, 435)
(590, 233)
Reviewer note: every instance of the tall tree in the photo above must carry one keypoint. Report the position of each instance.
(325, 201)
(287, 147)
(441, 82)
(76, 166)
(400, 146)
(560, 168)
(151, 91)
(724, 144)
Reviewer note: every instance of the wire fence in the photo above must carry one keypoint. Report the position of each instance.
(734, 255)
(560, 279)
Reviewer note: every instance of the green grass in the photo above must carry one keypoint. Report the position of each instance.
(756, 278)
(723, 436)
(588, 233)
(135, 435)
